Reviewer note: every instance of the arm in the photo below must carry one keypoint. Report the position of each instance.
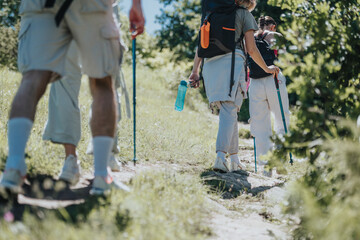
(194, 76)
(255, 54)
(136, 18)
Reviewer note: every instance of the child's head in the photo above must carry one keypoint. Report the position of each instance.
(267, 23)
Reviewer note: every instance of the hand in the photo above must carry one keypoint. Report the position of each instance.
(194, 80)
(274, 70)
(136, 19)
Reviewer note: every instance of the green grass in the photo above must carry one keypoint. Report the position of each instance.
(163, 204)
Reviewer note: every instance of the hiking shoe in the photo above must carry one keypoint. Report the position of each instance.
(12, 180)
(114, 164)
(221, 164)
(103, 185)
(236, 165)
(71, 170)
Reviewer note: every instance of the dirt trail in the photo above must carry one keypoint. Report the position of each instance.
(245, 217)
(253, 217)
(257, 219)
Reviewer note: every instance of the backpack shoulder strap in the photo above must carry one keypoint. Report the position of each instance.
(263, 36)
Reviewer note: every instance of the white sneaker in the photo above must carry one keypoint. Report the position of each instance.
(71, 170)
(221, 164)
(236, 165)
(103, 185)
(12, 180)
(114, 164)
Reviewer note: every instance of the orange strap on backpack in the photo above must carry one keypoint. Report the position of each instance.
(205, 35)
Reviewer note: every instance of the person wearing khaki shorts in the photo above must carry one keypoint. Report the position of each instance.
(64, 120)
(47, 29)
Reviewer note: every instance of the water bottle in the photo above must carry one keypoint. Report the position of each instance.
(179, 104)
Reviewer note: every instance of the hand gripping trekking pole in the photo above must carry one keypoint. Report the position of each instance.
(282, 112)
(134, 94)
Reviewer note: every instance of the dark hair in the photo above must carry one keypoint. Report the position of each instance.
(266, 21)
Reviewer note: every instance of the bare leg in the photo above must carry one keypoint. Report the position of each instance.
(32, 87)
(103, 120)
(70, 149)
(22, 115)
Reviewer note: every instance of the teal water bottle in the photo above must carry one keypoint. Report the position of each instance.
(180, 99)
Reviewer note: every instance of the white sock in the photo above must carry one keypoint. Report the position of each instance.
(102, 146)
(221, 155)
(18, 134)
(234, 158)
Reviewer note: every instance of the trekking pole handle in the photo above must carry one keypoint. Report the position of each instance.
(276, 82)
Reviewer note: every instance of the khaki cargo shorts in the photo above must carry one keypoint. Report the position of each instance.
(43, 45)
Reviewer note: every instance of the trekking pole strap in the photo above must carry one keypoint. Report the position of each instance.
(232, 71)
(201, 74)
(276, 82)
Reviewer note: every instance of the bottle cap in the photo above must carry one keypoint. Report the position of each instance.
(183, 82)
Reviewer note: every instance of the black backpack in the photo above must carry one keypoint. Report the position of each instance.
(218, 16)
(268, 55)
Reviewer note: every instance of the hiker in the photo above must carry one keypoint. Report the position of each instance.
(45, 35)
(263, 97)
(216, 72)
(64, 120)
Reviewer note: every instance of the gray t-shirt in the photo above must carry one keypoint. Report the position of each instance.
(244, 21)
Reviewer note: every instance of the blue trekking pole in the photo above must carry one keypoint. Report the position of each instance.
(255, 155)
(282, 112)
(134, 94)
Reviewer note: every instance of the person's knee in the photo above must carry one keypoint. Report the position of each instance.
(101, 86)
(34, 83)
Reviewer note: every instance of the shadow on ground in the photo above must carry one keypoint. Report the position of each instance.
(231, 184)
(43, 194)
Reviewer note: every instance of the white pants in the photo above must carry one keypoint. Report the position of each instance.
(228, 134)
(263, 101)
(64, 120)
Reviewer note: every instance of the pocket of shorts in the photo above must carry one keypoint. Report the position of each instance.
(22, 50)
(96, 6)
(28, 6)
(112, 47)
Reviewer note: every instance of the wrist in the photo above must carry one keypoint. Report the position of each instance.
(136, 3)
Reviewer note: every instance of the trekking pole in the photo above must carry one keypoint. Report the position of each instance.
(255, 155)
(282, 112)
(134, 94)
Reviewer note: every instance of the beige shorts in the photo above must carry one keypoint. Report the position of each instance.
(43, 45)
